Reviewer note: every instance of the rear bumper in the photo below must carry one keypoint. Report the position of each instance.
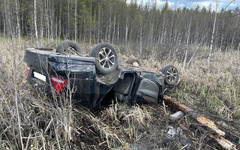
(79, 72)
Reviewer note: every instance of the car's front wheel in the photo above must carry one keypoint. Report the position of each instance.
(68, 47)
(107, 59)
(171, 74)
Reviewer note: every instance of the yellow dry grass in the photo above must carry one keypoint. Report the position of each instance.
(31, 120)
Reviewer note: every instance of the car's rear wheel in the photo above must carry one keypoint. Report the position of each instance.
(69, 47)
(106, 56)
(171, 74)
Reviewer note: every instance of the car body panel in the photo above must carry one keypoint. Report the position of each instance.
(131, 84)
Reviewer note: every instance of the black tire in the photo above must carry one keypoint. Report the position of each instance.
(171, 75)
(106, 58)
(68, 47)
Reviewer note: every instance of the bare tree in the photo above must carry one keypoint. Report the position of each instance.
(213, 32)
(47, 19)
(68, 20)
(18, 20)
(75, 19)
(126, 31)
(8, 23)
(35, 22)
(114, 28)
(188, 38)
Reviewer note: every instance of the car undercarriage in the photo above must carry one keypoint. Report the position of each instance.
(97, 78)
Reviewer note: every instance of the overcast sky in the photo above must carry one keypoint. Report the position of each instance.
(194, 3)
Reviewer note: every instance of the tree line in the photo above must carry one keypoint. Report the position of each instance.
(116, 21)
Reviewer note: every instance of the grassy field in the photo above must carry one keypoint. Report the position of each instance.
(31, 120)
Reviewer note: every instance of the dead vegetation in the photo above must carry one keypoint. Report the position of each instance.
(32, 120)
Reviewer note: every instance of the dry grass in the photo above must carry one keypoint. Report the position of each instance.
(215, 86)
(32, 120)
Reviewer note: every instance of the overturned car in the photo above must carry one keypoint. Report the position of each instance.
(97, 78)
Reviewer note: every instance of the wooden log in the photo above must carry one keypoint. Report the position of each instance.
(176, 105)
(203, 120)
(210, 124)
(226, 144)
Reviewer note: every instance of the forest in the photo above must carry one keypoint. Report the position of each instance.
(116, 21)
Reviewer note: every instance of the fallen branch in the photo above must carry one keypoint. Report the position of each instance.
(203, 120)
